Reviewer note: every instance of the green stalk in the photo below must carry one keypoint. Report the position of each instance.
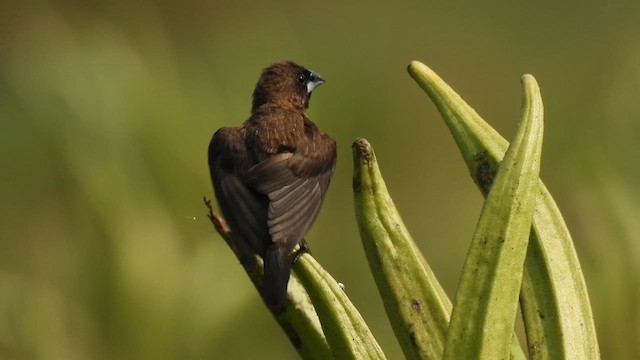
(417, 306)
(484, 311)
(345, 329)
(298, 318)
(554, 298)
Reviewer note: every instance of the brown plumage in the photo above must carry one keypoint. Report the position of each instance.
(270, 175)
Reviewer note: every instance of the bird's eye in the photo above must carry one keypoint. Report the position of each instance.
(302, 79)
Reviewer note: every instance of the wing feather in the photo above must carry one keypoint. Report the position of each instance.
(295, 187)
(244, 208)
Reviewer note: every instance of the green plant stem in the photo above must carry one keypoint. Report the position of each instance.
(417, 306)
(556, 309)
(345, 329)
(298, 318)
(486, 302)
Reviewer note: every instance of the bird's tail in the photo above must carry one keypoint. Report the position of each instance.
(277, 269)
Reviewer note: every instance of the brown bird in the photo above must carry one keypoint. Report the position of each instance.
(271, 174)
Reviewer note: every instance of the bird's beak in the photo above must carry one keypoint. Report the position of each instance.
(315, 80)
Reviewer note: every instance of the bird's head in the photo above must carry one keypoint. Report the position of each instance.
(286, 84)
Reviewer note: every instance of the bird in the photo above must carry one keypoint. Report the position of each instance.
(270, 174)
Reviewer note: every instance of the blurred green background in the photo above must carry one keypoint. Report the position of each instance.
(107, 108)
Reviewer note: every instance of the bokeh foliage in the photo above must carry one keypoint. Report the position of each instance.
(106, 110)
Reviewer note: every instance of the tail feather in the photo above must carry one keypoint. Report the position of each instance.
(277, 269)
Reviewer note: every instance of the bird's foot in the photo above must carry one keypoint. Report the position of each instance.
(304, 248)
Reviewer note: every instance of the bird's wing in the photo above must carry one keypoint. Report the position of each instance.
(244, 209)
(295, 185)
